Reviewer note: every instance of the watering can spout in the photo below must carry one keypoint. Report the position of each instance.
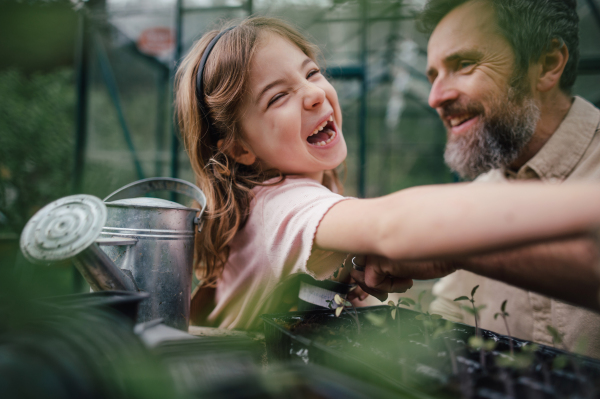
(100, 272)
(69, 228)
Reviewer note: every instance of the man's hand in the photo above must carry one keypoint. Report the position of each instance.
(382, 276)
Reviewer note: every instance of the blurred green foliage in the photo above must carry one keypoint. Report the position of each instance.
(36, 142)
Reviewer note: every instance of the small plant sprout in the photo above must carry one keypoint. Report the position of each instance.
(401, 301)
(429, 321)
(343, 305)
(561, 361)
(442, 331)
(474, 310)
(557, 337)
(504, 315)
(419, 305)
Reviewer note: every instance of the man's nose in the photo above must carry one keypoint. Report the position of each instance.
(442, 91)
(313, 96)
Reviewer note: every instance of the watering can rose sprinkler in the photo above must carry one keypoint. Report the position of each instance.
(125, 244)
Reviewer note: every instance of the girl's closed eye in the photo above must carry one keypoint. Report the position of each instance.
(313, 72)
(275, 98)
(278, 96)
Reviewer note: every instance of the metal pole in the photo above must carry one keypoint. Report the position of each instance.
(178, 52)
(81, 59)
(594, 10)
(161, 108)
(362, 129)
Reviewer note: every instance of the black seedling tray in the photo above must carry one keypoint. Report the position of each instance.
(399, 357)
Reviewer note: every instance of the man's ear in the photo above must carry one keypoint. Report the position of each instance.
(239, 152)
(551, 66)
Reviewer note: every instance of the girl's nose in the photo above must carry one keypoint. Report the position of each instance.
(441, 92)
(313, 96)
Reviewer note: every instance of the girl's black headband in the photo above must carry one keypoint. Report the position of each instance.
(200, 87)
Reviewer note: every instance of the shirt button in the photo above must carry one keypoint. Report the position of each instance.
(554, 180)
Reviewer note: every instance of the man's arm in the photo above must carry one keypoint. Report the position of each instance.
(564, 269)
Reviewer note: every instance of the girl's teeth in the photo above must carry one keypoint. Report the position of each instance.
(318, 129)
(322, 143)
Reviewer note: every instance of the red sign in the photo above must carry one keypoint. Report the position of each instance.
(156, 41)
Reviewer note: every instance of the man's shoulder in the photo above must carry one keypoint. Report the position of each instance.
(588, 167)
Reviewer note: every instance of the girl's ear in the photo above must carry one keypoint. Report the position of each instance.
(239, 152)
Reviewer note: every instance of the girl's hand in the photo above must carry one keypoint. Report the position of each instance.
(382, 276)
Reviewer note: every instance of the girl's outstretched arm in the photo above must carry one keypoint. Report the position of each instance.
(565, 269)
(436, 222)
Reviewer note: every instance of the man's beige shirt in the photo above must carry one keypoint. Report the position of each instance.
(572, 153)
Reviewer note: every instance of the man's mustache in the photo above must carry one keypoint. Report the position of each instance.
(460, 108)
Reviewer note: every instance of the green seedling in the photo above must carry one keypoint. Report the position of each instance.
(557, 337)
(442, 331)
(401, 301)
(429, 321)
(562, 361)
(474, 310)
(343, 305)
(377, 320)
(519, 361)
(419, 304)
(408, 302)
(504, 315)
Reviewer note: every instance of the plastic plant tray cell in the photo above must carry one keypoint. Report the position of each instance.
(403, 355)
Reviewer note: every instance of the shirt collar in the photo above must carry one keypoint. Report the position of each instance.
(561, 153)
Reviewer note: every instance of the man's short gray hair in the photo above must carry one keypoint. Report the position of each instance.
(528, 25)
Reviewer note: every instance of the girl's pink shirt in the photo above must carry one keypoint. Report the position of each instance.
(275, 243)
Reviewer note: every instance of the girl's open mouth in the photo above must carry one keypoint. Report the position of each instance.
(323, 134)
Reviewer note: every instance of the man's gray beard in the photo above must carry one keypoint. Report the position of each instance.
(497, 139)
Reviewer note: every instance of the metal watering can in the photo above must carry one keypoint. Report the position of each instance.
(128, 244)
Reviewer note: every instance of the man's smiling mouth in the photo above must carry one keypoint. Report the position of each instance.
(459, 120)
(323, 134)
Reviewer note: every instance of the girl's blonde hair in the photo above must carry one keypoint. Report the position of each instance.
(226, 183)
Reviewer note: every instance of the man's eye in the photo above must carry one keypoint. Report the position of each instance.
(313, 72)
(275, 98)
(466, 64)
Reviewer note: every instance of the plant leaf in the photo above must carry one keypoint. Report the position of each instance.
(346, 303)
(420, 297)
(475, 342)
(481, 307)
(338, 311)
(503, 307)
(436, 316)
(461, 298)
(506, 314)
(391, 303)
(556, 335)
(376, 320)
(473, 290)
(419, 317)
(560, 362)
(338, 299)
(489, 345)
(496, 316)
(468, 309)
(408, 301)
(394, 313)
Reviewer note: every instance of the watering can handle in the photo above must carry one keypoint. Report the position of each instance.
(142, 187)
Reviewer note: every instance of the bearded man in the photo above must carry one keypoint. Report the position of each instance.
(501, 74)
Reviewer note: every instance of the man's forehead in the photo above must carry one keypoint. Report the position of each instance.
(468, 26)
